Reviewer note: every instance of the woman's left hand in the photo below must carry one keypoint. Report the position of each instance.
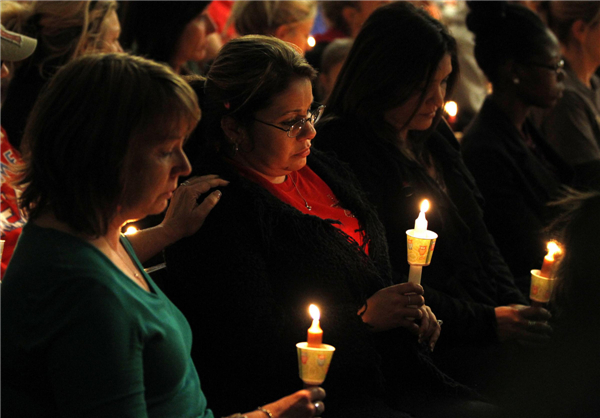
(185, 216)
(430, 328)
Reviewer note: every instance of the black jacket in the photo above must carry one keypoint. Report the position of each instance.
(516, 185)
(245, 282)
(467, 277)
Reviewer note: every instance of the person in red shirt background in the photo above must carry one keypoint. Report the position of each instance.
(15, 47)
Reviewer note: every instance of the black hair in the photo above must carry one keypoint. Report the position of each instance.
(396, 53)
(504, 32)
(153, 28)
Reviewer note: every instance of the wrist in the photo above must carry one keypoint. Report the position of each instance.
(265, 412)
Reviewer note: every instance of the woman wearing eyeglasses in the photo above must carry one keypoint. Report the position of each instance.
(515, 168)
(573, 126)
(291, 229)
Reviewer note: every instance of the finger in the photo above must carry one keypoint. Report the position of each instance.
(424, 328)
(319, 408)
(197, 179)
(204, 208)
(202, 187)
(414, 300)
(535, 314)
(316, 393)
(410, 287)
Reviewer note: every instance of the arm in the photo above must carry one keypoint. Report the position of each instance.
(183, 218)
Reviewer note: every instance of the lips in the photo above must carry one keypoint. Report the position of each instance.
(304, 153)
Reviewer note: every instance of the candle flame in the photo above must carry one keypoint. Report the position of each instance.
(311, 41)
(451, 108)
(425, 205)
(314, 312)
(553, 249)
(130, 230)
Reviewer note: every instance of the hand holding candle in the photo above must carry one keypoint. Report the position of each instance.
(542, 281)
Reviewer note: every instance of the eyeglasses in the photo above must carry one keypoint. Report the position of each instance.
(295, 130)
(558, 67)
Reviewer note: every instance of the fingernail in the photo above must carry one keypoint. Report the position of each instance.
(218, 194)
(431, 347)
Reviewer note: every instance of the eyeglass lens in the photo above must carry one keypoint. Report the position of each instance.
(315, 114)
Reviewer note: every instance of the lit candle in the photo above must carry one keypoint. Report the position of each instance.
(130, 230)
(421, 221)
(315, 333)
(451, 109)
(553, 252)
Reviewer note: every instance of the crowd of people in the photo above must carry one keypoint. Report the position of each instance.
(267, 175)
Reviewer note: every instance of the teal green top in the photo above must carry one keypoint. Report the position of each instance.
(81, 339)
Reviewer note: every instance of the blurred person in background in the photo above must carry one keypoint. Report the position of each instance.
(516, 169)
(15, 47)
(64, 30)
(573, 125)
(288, 20)
(171, 32)
(344, 20)
(331, 63)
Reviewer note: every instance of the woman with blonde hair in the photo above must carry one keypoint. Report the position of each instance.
(290, 21)
(573, 126)
(64, 30)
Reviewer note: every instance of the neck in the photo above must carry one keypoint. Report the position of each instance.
(48, 220)
(579, 62)
(512, 106)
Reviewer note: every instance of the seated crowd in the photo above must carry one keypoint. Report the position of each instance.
(265, 175)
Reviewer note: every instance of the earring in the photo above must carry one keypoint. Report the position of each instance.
(516, 80)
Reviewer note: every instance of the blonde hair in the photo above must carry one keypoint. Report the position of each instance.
(264, 17)
(64, 29)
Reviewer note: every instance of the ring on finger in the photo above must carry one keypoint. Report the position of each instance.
(319, 407)
(185, 183)
(439, 321)
(530, 324)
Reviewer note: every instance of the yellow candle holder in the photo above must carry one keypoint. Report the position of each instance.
(541, 287)
(313, 362)
(420, 247)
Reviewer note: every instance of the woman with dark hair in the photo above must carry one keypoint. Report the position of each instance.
(291, 229)
(516, 170)
(384, 118)
(172, 32)
(85, 331)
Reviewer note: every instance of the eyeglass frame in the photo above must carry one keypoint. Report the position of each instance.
(312, 119)
(557, 68)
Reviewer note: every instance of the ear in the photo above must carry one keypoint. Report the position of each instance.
(233, 130)
(281, 32)
(579, 31)
(349, 14)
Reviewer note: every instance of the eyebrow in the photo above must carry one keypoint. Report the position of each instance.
(295, 110)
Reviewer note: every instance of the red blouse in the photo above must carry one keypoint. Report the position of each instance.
(304, 188)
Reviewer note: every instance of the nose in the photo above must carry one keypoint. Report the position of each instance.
(184, 168)
(308, 131)
(4, 71)
(438, 96)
